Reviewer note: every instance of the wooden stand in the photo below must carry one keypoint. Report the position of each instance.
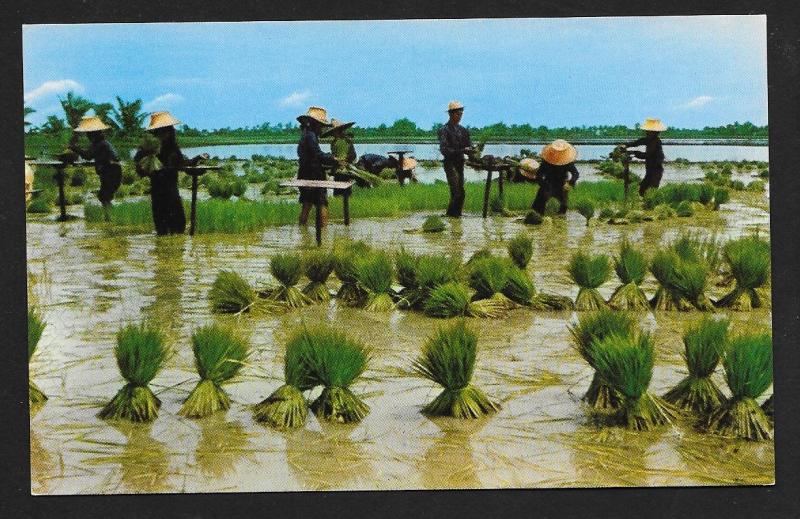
(399, 169)
(60, 177)
(487, 190)
(346, 188)
(195, 172)
(626, 173)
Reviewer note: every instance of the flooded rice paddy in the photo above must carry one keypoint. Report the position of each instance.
(91, 281)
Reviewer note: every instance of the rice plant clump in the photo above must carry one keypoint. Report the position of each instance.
(453, 299)
(488, 277)
(230, 293)
(448, 359)
(219, 355)
(318, 266)
(631, 268)
(433, 223)
(748, 372)
(520, 249)
(703, 346)
(586, 208)
(532, 218)
(286, 407)
(35, 329)
(721, 196)
(140, 353)
(684, 209)
(346, 254)
(430, 272)
(521, 290)
(626, 364)
(663, 266)
(375, 274)
(287, 269)
(589, 272)
(691, 280)
(749, 261)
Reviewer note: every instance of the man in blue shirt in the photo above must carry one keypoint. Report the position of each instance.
(454, 143)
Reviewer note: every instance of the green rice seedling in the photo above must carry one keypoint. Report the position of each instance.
(652, 198)
(586, 208)
(41, 204)
(631, 268)
(691, 280)
(318, 265)
(239, 187)
(375, 274)
(532, 218)
(706, 194)
(287, 269)
(737, 185)
(448, 359)
(431, 271)
(703, 343)
(606, 213)
(520, 249)
(663, 212)
(521, 290)
(433, 223)
(35, 328)
(748, 372)
(750, 264)
(230, 293)
(769, 408)
(589, 272)
(345, 254)
(721, 196)
(405, 266)
(756, 186)
(335, 362)
(479, 254)
(150, 146)
(663, 266)
(626, 364)
(488, 277)
(453, 299)
(218, 356)
(684, 209)
(219, 188)
(140, 354)
(552, 207)
(286, 407)
(591, 328)
(497, 204)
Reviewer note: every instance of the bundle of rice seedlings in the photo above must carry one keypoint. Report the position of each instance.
(721, 196)
(684, 209)
(608, 212)
(286, 407)
(488, 277)
(375, 274)
(594, 327)
(631, 268)
(453, 299)
(448, 359)
(703, 346)
(589, 272)
(218, 356)
(345, 255)
(335, 362)
(667, 296)
(140, 354)
(706, 194)
(663, 212)
(318, 265)
(748, 372)
(35, 328)
(532, 218)
(479, 254)
(749, 261)
(433, 223)
(287, 269)
(586, 208)
(691, 280)
(520, 249)
(433, 270)
(150, 146)
(230, 293)
(521, 290)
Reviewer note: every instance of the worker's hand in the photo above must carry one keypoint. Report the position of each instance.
(205, 156)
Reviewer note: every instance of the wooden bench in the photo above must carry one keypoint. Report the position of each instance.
(345, 186)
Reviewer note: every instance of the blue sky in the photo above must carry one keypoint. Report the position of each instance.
(689, 71)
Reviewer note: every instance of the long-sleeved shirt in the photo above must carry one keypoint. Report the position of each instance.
(102, 152)
(453, 138)
(312, 158)
(653, 155)
(556, 176)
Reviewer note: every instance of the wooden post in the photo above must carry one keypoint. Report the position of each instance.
(318, 222)
(62, 201)
(486, 193)
(500, 182)
(193, 213)
(626, 174)
(346, 205)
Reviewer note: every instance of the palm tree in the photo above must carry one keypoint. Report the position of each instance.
(27, 111)
(54, 125)
(129, 117)
(75, 107)
(102, 110)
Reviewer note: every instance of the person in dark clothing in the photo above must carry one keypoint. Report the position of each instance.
(343, 150)
(376, 163)
(168, 214)
(454, 143)
(106, 161)
(653, 155)
(311, 163)
(558, 162)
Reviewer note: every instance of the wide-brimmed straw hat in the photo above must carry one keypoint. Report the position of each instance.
(91, 123)
(316, 113)
(336, 124)
(653, 125)
(161, 120)
(452, 106)
(559, 152)
(528, 167)
(409, 163)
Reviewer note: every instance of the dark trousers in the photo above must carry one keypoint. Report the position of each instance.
(110, 180)
(651, 179)
(455, 179)
(168, 215)
(548, 191)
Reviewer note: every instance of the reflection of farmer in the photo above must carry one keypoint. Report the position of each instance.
(653, 155)
(342, 149)
(558, 160)
(106, 161)
(312, 159)
(454, 142)
(168, 215)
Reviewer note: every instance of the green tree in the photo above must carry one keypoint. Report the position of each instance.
(27, 111)
(54, 125)
(129, 117)
(75, 107)
(103, 110)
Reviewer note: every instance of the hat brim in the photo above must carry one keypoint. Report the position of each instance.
(163, 125)
(334, 129)
(653, 128)
(559, 158)
(459, 109)
(90, 130)
(301, 118)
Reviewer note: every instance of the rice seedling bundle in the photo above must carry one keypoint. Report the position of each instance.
(345, 254)
(703, 346)
(453, 299)
(607, 212)
(631, 268)
(448, 359)
(532, 218)
(667, 296)
(286, 407)
(749, 261)
(335, 362)
(318, 266)
(748, 372)
(691, 280)
(140, 353)
(520, 289)
(150, 146)
(520, 249)
(230, 293)
(663, 212)
(592, 328)
(375, 274)
(684, 209)
(287, 269)
(35, 328)
(433, 270)
(218, 356)
(479, 254)
(589, 272)
(433, 223)
(488, 277)
(721, 196)
(586, 208)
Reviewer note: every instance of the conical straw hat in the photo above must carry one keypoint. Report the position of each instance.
(528, 167)
(316, 113)
(162, 120)
(409, 163)
(454, 105)
(653, 125)
(91, 123)
(336, 124)
(559, 152)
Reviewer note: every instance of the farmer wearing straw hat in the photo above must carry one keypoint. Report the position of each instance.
(342, 149)
(106, 161)
(168, 215)
(312, 160)
(653, 155)
(454, 143)
(558, 161)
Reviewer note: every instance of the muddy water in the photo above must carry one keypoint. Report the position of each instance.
(89, 282)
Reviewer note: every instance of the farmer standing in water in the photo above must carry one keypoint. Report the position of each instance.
(454, 143)
(106, 161)
(653, 155)
(312, 159)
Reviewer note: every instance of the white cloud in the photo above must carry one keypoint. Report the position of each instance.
(699, 101)
(162, 101)
(57, 86)
(295, 98)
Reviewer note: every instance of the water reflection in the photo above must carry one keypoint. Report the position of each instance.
(109, 253)
(610, 456)
(43, 465)
(450, 462)
(222, 445)
(168, 267)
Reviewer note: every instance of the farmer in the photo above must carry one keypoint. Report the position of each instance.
(558, 160)
(375, 163)
(342, 149)
(312, 160)
(106, 161)
(168, 215)
(454, 142)
(407, 171)
(653, 155)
